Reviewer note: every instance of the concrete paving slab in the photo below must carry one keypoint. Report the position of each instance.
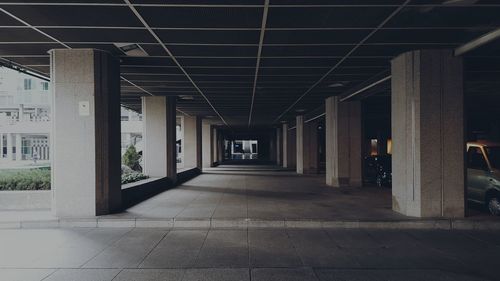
(150, 275)
(217, 274)
(83, 275)
(283, 274)
(24, 274)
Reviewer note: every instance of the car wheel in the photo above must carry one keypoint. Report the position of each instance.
(494, 206)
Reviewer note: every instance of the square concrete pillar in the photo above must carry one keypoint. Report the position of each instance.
(192, 142)
(306, 147)
(343, 142)
(284, 145)
(1, 146)
(300, 158)
(207, 147)
(159, 137)
(428, 144)
(292, 148)
(85, 136)
(279, 159)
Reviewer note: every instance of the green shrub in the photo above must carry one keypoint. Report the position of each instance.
(131, 158)
(133, 177)
(25, 179)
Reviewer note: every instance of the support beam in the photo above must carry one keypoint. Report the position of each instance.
(279, 144)
(192, 142)
(159, 137)
(428, 144)
(86, 132)
(206, 144)
(343, 142)
(171, 137)
(284, 145)
(478, 42)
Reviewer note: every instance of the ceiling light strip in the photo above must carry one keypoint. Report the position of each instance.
(259, 52)
(134, 10)
(395, 12)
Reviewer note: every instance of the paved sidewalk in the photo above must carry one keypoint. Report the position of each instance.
(103, 254)
(257, 197)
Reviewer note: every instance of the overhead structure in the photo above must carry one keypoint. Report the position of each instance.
(245, 62)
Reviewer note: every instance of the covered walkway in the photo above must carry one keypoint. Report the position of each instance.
(265, 193)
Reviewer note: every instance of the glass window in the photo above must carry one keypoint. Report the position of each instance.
(45, 86)
(27, 84)
(475, 159)
(494, 156)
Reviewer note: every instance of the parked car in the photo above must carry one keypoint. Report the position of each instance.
(483, 175)
(378, 170)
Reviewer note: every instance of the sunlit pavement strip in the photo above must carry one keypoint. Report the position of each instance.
(96, 254)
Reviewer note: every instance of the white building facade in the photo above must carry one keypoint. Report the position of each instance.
(24, 117)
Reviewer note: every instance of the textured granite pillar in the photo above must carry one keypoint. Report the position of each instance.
(86, 132)
(428, 134)
(343, 142)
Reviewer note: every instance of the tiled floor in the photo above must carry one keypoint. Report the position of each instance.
(263, 192)
(105, 254)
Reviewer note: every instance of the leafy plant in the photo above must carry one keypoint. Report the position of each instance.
(133, 177)
(132, 159)
(25, 179)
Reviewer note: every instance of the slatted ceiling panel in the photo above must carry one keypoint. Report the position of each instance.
(450, 16)
(297, 36)
(111, 35)
(210, 36)
(216, 42)
(64, 15)
(190, 17)
(10, 34)
(324, 17)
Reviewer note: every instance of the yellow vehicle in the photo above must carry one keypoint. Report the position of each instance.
(483, 174)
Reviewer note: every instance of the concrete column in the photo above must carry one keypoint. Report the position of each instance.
(19, 144)
(284, 145)
(10, 146)
(292, 148)
(279, 144)
(214, 146)
(1, 146)
(85, 136)
(159, 137)
(171, 137)
(220, 147)
(300, 144)
(154, 131)
(206, 130)
(343, 142)
(192, 142)
(428, 134)
(311, 163)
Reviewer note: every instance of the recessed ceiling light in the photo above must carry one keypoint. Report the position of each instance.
(184, 97)
(131, 49)
(336, 85)
(209, 116)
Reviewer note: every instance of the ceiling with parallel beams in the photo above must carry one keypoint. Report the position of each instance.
(250, 62)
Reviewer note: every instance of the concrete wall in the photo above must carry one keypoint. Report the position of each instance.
(428, 134)
(26, 200)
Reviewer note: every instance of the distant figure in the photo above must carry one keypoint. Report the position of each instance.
(35, 157)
